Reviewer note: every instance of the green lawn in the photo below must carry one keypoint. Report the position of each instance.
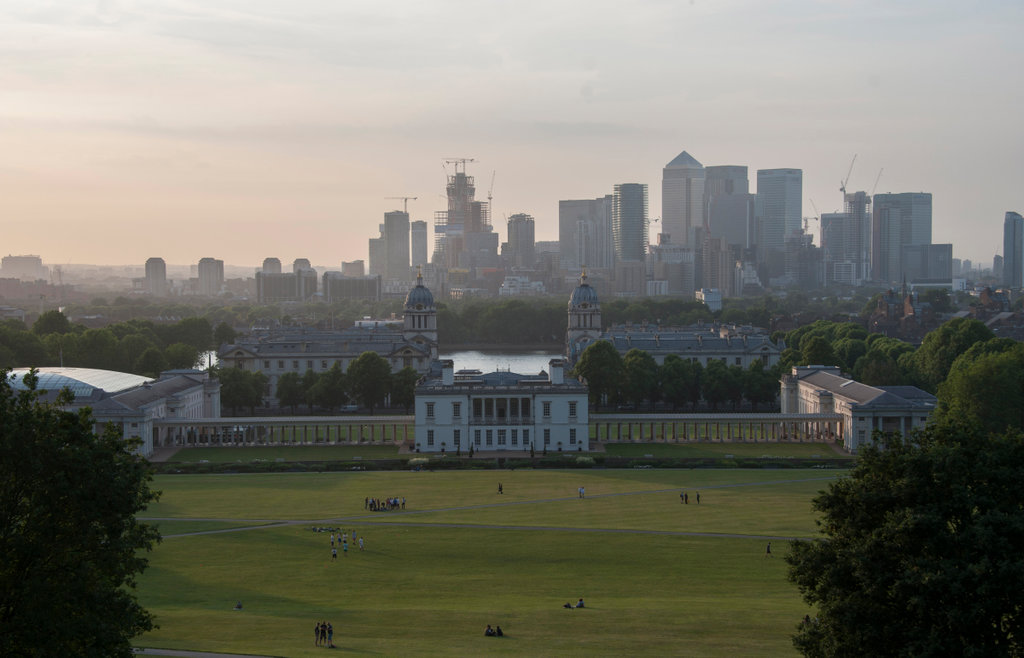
(722, 450)
(434, 576)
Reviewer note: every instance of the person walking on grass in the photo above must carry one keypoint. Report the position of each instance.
(768, 550)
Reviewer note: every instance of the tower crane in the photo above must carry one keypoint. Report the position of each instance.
(877, 178)
(842, 186)
(405, 201)
(458, 161)
(490, 190)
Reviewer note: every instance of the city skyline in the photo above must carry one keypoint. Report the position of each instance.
(184, 130)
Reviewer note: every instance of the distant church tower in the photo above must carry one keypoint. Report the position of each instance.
(584, 320)
(421, 317)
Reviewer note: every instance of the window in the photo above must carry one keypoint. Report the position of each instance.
(572, 436)
(547, 409)
(526, 437)
(502, 437)
(280, 365)
(490, 437)
(295, 365)
(430, 410)
(515, 437)
(266, 365)
(430, 437)
(478, 408)
(456, 410)
(739, 361)
(457, 438)
(309, 365)
(323, 365)
(572, 409)
(547, 437)
(476, 437)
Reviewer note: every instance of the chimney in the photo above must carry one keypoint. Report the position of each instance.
(556, 371)
(448, 372)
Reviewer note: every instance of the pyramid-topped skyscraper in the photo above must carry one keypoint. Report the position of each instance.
(682, 199)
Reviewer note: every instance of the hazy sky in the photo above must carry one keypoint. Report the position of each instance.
(244, 129)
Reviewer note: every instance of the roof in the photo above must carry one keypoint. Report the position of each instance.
(83, 382)
(498, 380)
(684, 159)
(869, 397)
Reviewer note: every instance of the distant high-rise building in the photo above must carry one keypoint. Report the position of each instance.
(927, 262)
(997, 267)
(453, 245)
(585, 234)
(729, 206)
(156, 277)
(353, 268)
(378, 255)
(271, 265)
(521, 241)
(673, 264)
(300, 264)
(898, 220)
(1013, 250)
(396, 238)
(779, 210)
(418, 243)
(629, 221)
(845, 241)
(211, 276)
(682, 199)
(26, 268)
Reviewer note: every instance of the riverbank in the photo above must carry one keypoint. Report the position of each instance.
(500, 347)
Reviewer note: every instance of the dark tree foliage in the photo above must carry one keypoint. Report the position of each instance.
(223, 334)
(601, 366)
(51, 322)
(241, 388)
(71, 546)
(640, 377)
(921, 551)
(941, 347)
(403, 388)
(985, 388)
(290, 392)
(369, 377)
(760, 386)
(330, 388)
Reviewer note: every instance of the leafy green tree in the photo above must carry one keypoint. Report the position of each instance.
(848, 350)
(877, 369)
(197, 332)
(817, 351)
(223, 335)
(641, 377)
(760, 386)
(940, 348)
(986, 391)
(921, 551)
(673, 380)
(331, 388)
(97, 348)
(181, 356)
(51, 322)
(717, 383)
(403, 388)
(290, 392)
(241, 388)
(309, 381)
(71, 544)
(27, 349)
(150, 363)
(601, 366)
(369, 378)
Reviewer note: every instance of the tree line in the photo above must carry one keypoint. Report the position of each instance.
(141, 347)
(368, 382)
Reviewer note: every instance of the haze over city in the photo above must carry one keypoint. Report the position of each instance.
(242, 130)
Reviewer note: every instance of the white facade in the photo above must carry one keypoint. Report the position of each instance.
(500, 411)
(824, 390)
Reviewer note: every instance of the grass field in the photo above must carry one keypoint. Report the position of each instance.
(461, 556)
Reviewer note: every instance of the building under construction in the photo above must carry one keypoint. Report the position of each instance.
(463, 236)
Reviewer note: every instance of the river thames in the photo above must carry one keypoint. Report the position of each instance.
(524, 363)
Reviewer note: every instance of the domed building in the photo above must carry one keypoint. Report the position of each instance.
(409, 342)
(584, 320)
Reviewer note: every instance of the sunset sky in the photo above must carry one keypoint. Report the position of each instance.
(251, 128)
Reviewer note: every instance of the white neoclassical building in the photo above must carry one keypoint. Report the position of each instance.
(824, 390)
(500, 411)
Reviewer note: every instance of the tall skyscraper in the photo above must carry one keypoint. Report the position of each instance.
(1013, 250)
(585, 234)
(418, 243)
(459, 238)
(629, 221)
(211, 276)
(271, 265)
(845, 241)
(156, 277)
(378, 255)
(522, 241)
(729, 205)
(300, 265)
(682, 199)
(898, 220)
(779, 210)
(396, 237)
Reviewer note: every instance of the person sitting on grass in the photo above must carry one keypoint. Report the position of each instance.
(579, 604)
(498, 632)
(568, 605)
(489, 632)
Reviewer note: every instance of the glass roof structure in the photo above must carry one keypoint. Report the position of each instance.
(81, 381)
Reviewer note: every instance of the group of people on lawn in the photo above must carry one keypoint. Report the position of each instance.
(384, 504)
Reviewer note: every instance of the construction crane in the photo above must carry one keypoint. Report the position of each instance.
(490, 190)
(405, 201)
(842, 186)
(458, 161)
(877, 178)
